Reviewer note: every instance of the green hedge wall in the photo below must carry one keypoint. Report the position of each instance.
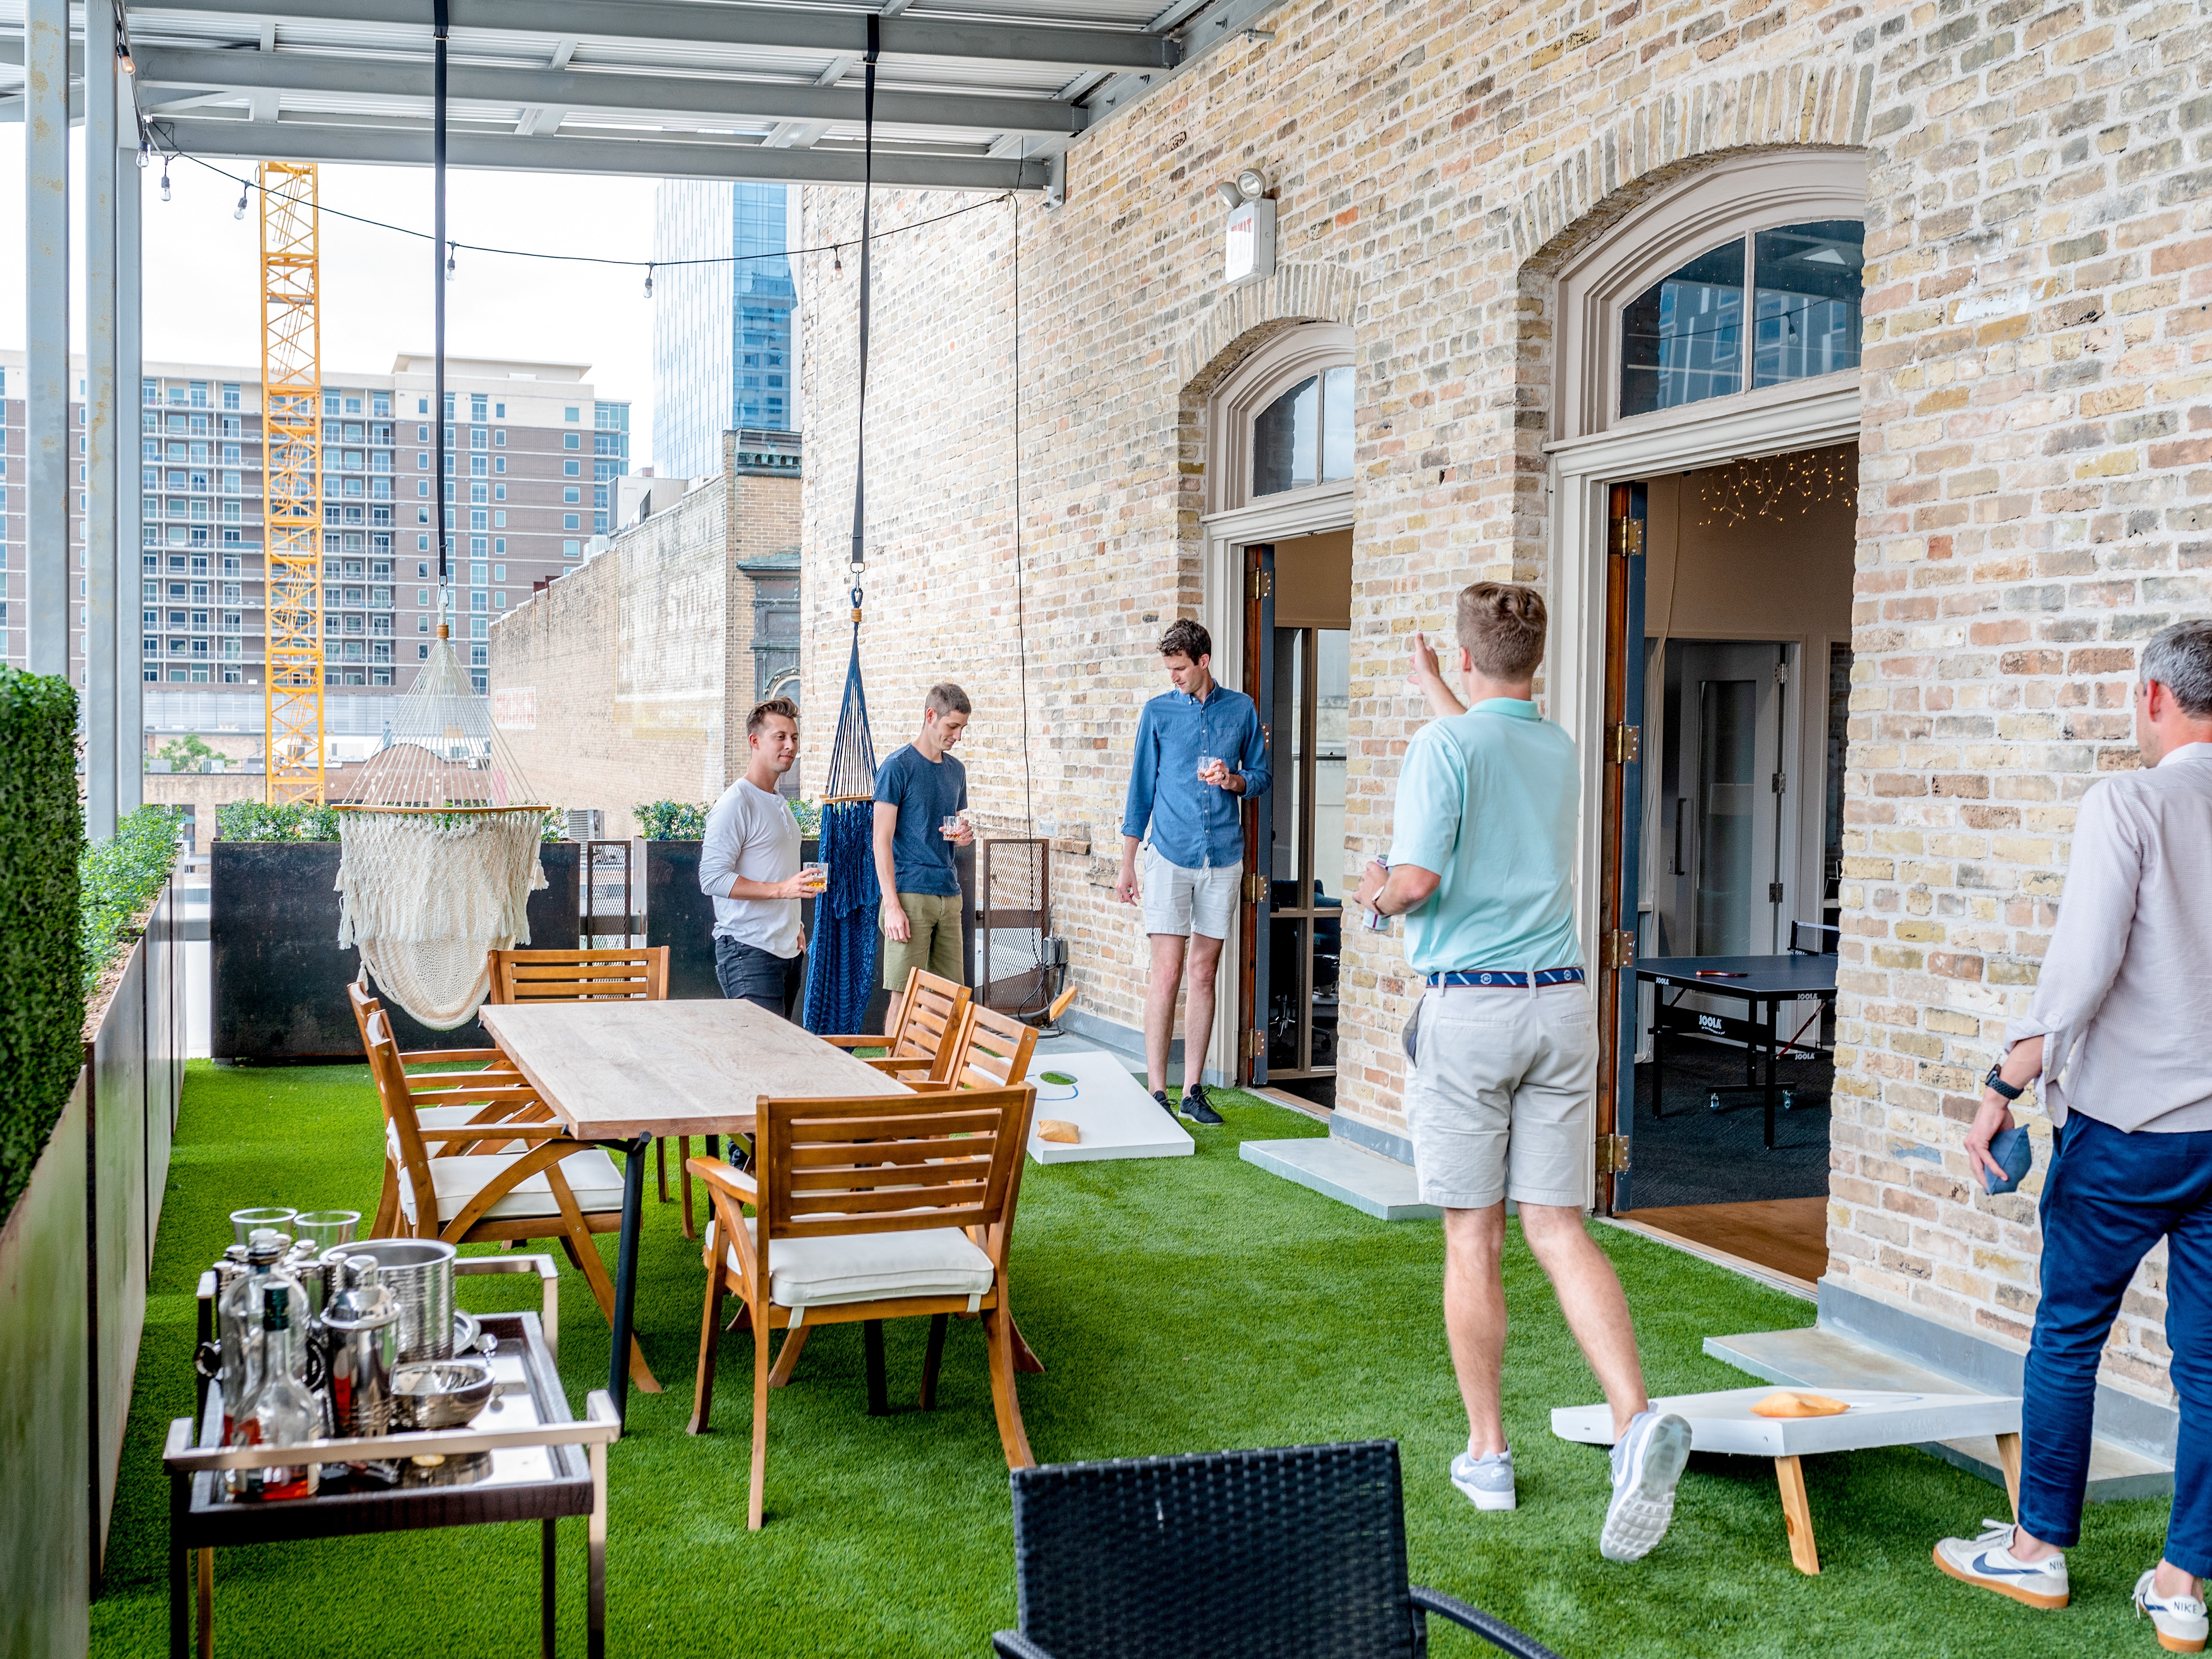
(121, 878)
(41, 836)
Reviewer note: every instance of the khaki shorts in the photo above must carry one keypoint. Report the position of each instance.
(1499, 1100)
(933, 941)
(1183, 902)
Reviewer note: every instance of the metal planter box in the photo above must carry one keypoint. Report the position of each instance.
(279, 977)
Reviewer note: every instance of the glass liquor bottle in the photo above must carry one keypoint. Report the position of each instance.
(283, 1412)
(239, 1315)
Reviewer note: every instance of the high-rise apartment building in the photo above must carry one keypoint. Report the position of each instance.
(724, 351)
(530, 464)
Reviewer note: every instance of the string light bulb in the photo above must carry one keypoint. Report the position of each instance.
(648, 281)
(165, 180)
(452, 249)
(239, 212)
(836, 258)
(145, 155)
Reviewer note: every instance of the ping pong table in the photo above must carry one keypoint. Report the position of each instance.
(1763, 984)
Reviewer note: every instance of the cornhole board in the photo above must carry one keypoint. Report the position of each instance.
(1723, 1422)
(1109, 1109)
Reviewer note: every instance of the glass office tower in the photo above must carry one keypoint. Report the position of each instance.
(724, 351)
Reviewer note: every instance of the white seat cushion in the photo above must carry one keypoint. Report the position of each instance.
(590, 1174)
(806, 1273)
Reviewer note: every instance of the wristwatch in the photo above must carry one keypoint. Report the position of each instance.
(1996, 1080)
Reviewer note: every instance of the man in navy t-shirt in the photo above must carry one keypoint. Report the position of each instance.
(918, 789)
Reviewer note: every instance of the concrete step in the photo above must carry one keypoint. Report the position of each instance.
(1812, 1358)
(1334, 1167)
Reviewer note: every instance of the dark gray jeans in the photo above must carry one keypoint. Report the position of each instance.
(767, 980)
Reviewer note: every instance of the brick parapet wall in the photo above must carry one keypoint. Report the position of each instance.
(2032, 465)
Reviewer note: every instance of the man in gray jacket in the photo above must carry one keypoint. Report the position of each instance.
(2116, 1041)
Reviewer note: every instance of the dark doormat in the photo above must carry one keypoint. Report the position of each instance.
(1693, 1156)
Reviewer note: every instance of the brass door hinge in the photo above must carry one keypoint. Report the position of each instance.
(1627, 744)
(1259, 584)
(1248, 1045)
(1611, 1154)
(1256, 887)
(1619, 946)
(1627, 539)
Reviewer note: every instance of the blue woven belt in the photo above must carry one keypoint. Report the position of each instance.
(1507, 978)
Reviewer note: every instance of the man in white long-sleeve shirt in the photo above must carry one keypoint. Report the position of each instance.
(749, 864)
(2118, 1040)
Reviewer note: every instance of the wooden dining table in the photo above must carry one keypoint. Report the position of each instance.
(621, 1072)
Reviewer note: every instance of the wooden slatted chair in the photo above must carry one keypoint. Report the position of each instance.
(558, 1186)
(868, 1210)
(922, 1039)
(992, 1052)
(448, 1099)
(614, 975)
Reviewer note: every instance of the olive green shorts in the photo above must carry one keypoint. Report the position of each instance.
(933, 942)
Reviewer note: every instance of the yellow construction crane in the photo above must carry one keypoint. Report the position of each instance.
(291, 470)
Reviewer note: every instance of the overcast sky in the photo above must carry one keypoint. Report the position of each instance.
(202, 265)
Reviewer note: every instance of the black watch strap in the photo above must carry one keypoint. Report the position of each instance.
(1996, 1080)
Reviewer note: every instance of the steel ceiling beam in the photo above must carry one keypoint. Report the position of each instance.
(695, 22)
(329, 140)
(686, 95)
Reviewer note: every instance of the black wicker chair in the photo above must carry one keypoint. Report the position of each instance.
(1297, 1552)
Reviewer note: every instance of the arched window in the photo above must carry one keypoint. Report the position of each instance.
(1282, 419)
(1682, 339)
(1739, 282)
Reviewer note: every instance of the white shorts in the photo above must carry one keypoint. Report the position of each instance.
(1182, 902)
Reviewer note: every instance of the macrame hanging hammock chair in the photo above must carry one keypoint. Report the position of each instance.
(840, 956)
(438, 836)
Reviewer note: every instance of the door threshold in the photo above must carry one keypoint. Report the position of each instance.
(1773, 1278)
(1284, 1097)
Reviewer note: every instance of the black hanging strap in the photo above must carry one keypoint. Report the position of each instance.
(867, 191)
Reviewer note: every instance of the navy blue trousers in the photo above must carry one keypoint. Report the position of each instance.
(2109, 1198)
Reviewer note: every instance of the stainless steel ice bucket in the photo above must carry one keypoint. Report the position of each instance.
(419, 1273)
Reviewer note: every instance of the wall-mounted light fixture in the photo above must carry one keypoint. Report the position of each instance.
(1249, 247)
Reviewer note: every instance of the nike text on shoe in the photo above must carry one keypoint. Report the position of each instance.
(1487, 1481)
(1647, 1461)
(1161, 1095)
(1989, 1562)
(2179, 1619)
(1197, 1108)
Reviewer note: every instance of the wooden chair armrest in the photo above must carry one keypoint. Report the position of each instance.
(877, 1040)
(734, 1182)
(932, 1085)
(900, 1063)
(535, 1134)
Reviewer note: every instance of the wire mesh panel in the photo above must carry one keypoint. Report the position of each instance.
(1303, 1552)
(1013, 895)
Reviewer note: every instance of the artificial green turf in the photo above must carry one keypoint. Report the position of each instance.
(1181, 1305)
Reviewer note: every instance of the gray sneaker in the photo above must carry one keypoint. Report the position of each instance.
(1647, 1461)
(1487, 1481)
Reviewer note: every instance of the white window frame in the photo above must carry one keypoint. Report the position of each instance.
(1737, 198)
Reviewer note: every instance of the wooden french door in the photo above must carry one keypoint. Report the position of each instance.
(1253, 1000)
(1622, 826)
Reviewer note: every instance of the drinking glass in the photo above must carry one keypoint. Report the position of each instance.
(324, 1228)
(951, 828)
(245, 1222)
(815, 875)
(1205, 764)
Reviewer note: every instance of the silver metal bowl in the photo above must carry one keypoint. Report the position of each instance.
(441, 1393)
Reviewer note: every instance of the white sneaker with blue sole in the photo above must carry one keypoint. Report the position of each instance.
(1988, 1561)
(1487, 1481)
(2179, 1620)
(1647, 1463)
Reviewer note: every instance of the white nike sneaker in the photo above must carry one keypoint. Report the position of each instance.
(1989, 1562)
(1486, 1482)
(2179, 1619)
(1647, 1461)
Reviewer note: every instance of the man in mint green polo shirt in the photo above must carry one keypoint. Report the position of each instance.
(1505, 1048)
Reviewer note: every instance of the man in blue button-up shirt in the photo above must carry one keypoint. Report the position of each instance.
(1200, 749)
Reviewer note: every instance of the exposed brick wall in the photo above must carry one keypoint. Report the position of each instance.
(2032, 463)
